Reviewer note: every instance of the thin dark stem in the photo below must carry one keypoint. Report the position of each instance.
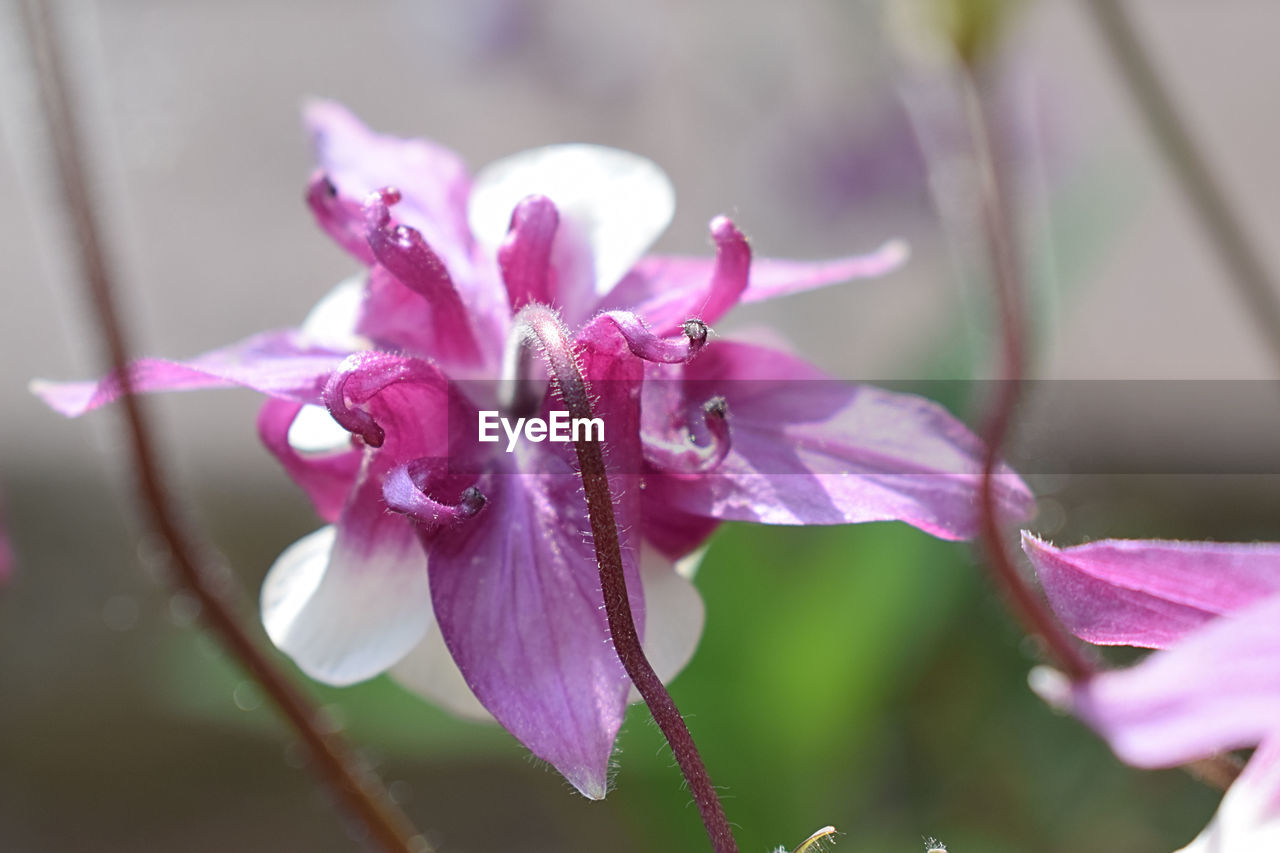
(1005, 268)
(1170, 133)
(1217, 771)
(550, 336)
(331, 758)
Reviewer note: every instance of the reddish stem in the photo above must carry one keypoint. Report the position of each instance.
(541, 327)
(331, 758)
(1005, 268)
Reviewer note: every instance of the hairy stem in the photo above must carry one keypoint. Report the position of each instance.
(542, 328)
(1170, 133)
(331, 758)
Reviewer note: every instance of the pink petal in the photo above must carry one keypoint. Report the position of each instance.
(667, 290)
(403, 252)
(810, 450)
(525, 256)
(771, 278)
(1150, 593)
(327, 477)
(517, 593)
(280, 364)
(1217, 689)
(519, 605)
(432, 180)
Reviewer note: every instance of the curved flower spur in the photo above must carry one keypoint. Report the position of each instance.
(480, 590)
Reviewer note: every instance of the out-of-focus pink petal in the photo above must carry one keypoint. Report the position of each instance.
(1248, 820)
(668, 289)
(810, 450)
(1150, 593)
(1217, 689)
(326, 476)
(280, 364)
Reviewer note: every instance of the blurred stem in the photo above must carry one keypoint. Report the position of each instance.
(541, 327)
(1216, 771)
(331, 758)
(1172, 137)
(998, 233)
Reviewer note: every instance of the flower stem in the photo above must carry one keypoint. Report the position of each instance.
(1217, 771)
(331, 758)
(1005, 268)
(1168, 130)
(544, 329)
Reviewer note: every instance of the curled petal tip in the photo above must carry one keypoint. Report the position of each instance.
(531, 205)
(722, 228)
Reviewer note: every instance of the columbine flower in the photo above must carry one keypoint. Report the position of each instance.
(374, 403)
(1215, 610)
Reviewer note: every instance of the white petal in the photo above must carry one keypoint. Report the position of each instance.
(332, 321)
(674, 614)
(345, 616)
(618, 201)
(430, 672)
(315, 431)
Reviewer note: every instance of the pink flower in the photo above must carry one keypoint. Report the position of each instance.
(479, 589)
(1215, 611)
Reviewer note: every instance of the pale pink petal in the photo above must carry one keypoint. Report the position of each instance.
(1150, 593)
(1217, 689)
(432, 180)
(772, 278)
(280, 364)
(668, 289)
(810, 450)
(326, 475)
